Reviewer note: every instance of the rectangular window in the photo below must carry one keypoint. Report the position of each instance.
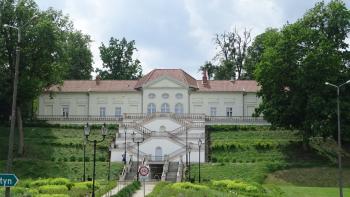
(118, 111)
(65, 110)
(229, 111)
(102, 112)
(213, 111)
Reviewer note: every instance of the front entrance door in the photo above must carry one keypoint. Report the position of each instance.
(158, 154)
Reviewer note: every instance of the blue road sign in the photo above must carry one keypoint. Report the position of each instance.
(8, 180)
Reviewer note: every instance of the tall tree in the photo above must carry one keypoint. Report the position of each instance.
(255, 51)
(292, 72)
(79, 56)
(232, 50)
(118, 62)
(43, 59)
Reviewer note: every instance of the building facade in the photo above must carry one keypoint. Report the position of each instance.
(165, 111)
(162, 90)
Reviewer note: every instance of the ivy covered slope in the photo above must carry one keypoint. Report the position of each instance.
(58, 152)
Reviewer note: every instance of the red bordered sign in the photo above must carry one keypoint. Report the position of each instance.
(144, 170)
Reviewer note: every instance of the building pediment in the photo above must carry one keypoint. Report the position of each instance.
(165, 82)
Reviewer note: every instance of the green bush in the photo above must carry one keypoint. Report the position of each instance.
(87, 184)
(72, 158)
(59, 181)
(52, 195)
(237, 185)
(129, 189)
(188, 185)
(39, 182)
(53, 189)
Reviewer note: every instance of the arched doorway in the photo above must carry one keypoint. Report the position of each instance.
(158, 153)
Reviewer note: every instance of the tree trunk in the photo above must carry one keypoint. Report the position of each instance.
(20, 132)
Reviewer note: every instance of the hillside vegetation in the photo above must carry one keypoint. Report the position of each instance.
(272, 160)
(54, 152)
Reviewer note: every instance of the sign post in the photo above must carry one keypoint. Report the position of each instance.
(144, 171)
(8, 180)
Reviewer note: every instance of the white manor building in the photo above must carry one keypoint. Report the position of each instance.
(168, 108)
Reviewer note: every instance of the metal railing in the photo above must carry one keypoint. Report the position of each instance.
(79, 118)
(183, 119)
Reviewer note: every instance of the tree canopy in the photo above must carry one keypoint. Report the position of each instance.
(294, 64)
(51, 50)
(118, 61)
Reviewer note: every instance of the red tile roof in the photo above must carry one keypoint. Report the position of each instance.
(91, 86)
(133, 85)
(226, 85)
(177, 74)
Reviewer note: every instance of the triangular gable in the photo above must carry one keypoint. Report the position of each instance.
(165, 82)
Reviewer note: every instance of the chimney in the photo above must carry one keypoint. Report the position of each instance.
(205, 77)
(98, 79)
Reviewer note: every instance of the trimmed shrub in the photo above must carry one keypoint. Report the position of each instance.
(59, 181)
(237, 185)
(52, 195)
(87, 184)
(128, 190)
(53, 189)
(188, 185)
(39, 182)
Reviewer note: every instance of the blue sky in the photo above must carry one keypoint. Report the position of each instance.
(174, 33)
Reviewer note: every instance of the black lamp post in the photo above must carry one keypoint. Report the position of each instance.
(109, 161)
(189, 162)
(124, 158)
(199, 160)
(103, 133)
(138, 140)
(86, 130)
(340, 178)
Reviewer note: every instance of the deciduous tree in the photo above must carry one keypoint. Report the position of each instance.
(293, 70)
(118, 61)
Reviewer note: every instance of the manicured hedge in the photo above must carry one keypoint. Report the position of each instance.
(53, 189)
(129, 189)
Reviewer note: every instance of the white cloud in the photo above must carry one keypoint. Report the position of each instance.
(172, 33)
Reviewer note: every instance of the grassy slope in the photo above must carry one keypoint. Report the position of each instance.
(57, 152)
(284, 163)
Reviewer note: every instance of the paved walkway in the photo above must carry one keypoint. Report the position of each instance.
(148, 189)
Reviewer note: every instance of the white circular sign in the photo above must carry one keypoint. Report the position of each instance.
(143, 170)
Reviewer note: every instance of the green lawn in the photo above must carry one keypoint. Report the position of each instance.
(293, 191)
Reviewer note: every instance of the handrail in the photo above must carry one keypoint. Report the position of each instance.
(126, 169)
(165, 170)
(79, 118)
(179, 171)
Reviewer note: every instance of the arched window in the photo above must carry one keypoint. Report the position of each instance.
(165, 108)
(151, 108)
(179, 108)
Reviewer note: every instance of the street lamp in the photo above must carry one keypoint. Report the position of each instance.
(339, 137)
(109, 160)
(14, 99)
(199, 160)
(189, 162)
(124, 157)
(86, 130)
(103, 133)
(138, 140)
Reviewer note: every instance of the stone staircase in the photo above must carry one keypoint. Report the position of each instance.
(172, 171)
(131, 175)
